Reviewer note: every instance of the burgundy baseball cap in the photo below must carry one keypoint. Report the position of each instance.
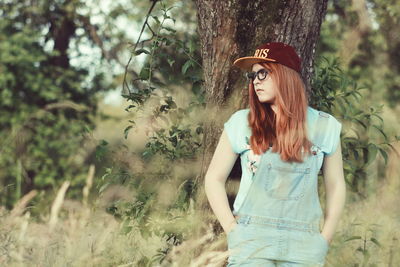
(271, 52)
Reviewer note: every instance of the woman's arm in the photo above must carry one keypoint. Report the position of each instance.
(220, 166)
(335, 188)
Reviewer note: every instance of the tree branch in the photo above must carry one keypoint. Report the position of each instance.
(137, 42)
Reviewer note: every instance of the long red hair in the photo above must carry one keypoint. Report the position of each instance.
(285, 130)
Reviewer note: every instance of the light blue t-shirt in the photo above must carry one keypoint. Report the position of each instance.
(239, 132)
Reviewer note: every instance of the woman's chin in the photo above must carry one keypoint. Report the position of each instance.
(265, 101)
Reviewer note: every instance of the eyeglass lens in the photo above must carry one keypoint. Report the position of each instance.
(261, 74)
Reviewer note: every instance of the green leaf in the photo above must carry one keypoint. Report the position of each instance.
(169, 29)
(356, 155)
(164, 108)
(170, 62)
(384, 155)
(126, 131)
(353, 238)
(379, 117)
(360, 122)
(144, 73)
(341, 105)
(156, 19)
(199, 130)
(171, 103)
(372, 150)
(103, 142)
(393, 149)
(103, 187)
(142, 51)
(107, 173)
(381, 131)
(186, 66)
(366, 256)
(129, 107)
(376, 242)
(173, 140)
(101, 149)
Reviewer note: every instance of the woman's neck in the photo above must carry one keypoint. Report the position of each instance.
(274, 108)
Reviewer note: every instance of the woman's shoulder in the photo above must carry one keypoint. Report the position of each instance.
(315, 115)
(325, 129)
(237, 129)
(239, 117)
(241, 112)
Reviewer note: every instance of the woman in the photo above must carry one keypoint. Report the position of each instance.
(282, 143)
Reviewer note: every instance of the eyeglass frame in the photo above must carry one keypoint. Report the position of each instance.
(253, 74)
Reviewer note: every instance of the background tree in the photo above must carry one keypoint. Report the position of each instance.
(47, 104)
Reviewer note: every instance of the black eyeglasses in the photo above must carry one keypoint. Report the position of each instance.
(261, 74)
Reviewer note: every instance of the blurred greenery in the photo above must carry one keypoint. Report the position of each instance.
(46, 109)
(364, 37)
(354, 63)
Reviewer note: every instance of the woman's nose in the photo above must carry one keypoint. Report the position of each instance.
(256, 80)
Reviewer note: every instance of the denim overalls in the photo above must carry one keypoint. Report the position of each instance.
(279, 218)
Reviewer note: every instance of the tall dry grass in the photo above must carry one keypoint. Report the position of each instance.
(85, 235)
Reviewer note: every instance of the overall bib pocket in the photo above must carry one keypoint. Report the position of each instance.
(286, 182)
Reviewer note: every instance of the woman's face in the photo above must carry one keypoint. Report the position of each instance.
(265, 89)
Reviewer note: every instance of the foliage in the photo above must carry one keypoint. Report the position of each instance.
(171, 60)
(336, 93)
(369, 242)
(361, 35)
(46, 110)
(176, 141)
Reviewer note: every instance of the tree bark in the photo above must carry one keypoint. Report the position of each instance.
(234, 28)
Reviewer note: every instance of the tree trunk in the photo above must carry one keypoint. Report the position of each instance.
(62, 29)
(234, 28)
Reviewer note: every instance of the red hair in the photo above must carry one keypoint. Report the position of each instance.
(286, 129)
